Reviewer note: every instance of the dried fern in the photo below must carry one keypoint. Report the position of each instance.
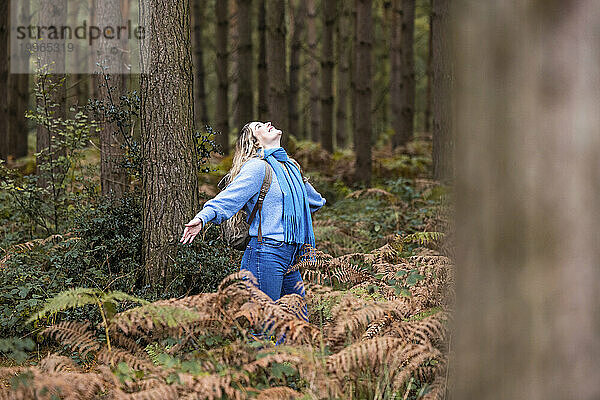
(75, 334)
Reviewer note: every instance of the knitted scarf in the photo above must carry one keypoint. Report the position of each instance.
(297, 220)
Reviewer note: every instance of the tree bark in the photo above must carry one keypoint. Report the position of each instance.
(329, 13)
(245, 62)
(263, 78)
(313, 71)
(299, 17)
(222, 117)
(362, 91)
(4, 69)
(114, 179)
(200, 109)
(428, 101)
(404, 104)
(527, 320)
(343, 49)
(169, 177)
(443, 142)
(276, 66)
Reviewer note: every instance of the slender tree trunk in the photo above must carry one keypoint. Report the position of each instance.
(329, 12)
(404, 120)
(200, 109)
(245, 62)
(443, 143)
(114, 180)
(395, 68)
(263, 78)
(298, 15)
(52, 13)
(4, 69)
(528, 200)
(362, 90)
(233, 46)
(313, 71)
(169, 178)
(343, 49)
(222, 117)
(276, 65)
(428, 103)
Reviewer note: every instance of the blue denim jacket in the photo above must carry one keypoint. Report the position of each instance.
(243, 192)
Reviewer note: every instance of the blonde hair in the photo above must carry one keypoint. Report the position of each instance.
(247, 146)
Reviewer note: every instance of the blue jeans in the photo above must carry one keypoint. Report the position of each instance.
(269, 261)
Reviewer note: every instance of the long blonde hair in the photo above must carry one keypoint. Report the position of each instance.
(247, 146)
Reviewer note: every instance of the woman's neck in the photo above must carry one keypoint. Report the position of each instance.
(273, 145)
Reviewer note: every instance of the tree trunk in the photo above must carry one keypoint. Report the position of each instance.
(329, 12)
(222, 117)
(114, 180)
(343, 49)
(299, 17)
(52, 13)
(169, 178)
(276, 66)
(405, 102)
(200, 109)
(4, 67)
(313, 71)
(244, 63)
(528, 200)
(443, 143)
(428, 101)
(263, 78)
(362, 91)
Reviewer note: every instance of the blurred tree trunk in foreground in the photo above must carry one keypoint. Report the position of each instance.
(528, 200)
(363, 28)
(222, 112)
(4, 68)
(441, 82)
(169, 179)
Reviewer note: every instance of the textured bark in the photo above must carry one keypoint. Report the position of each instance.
(528, 200)
(263, 78)
(299, 18)
(404, 99)
(362, 91)
(327, 62)
(169, 179)
(313, 71)
(343, 50)
(200, 108)
(222, 111)
(245, 61)
(276, 66)
(428, 101)
(114, 180)
(441, 78)
(52, 13)
(4, 35)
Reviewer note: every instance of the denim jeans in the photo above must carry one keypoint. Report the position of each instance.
(269, 261)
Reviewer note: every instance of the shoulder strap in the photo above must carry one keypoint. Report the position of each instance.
(261, 195)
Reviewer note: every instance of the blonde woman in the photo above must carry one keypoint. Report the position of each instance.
(286, 221)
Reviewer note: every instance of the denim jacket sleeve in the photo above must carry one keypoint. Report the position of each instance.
(241, 189)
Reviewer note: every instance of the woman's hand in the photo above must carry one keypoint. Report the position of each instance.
(192, 229)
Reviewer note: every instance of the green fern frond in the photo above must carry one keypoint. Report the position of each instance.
(423, 238)
(71, 298)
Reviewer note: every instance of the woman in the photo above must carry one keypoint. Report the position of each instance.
(286, 217)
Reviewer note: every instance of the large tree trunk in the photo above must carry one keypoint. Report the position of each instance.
(169, 179)
(313, 71)
(404, 99)
(114, 179)
(276, 66)
(362, 91)
(329, 12)
(245, 111)
(441, 79)
(528, 200)
(200, 109)
(343, 50)
(429, 93)
(222, 117)
(299, 17)
(4, 35)
(263, 78)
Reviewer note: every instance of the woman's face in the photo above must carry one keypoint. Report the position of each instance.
(266, 133)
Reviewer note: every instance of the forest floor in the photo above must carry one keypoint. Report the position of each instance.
(379, 297)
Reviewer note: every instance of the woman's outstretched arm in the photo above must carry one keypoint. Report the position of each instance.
(315, 200)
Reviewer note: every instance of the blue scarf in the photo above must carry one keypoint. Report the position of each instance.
(297, 220)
